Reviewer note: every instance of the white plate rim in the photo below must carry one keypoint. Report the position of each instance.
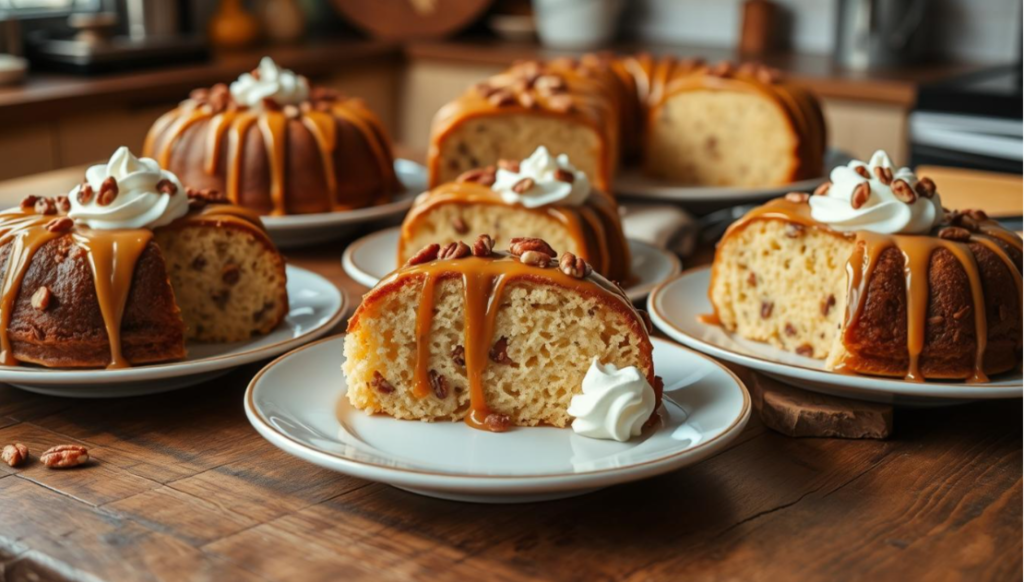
(634, 292)
(436, 480)
(403, 200)
(877, 384)
(49, 376)
(633, 184)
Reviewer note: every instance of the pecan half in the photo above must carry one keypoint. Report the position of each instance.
(380, 384)
(108, 191)
(502, 98)
(883, 174)
(976, 214)
(523, 186)
(495, 422)
(861, 195)
(64, 456)
(29, 202)
(438, 384)
(766, 309)
(62, 224)
(41, 298)
(14, 454)
(482, 246)
(459, 356)
(925, 187)
(573, 266)
(527, 100)
(823, 189)
(903, 192)
(535, 259)
(549, 84)
(424, 255)
(459, 225)
(863, 171)
(519, 245)
(955, 233)
(561, 103)
(563, 175)
(45, 206)
(962, 312)
(797, 197)
(509, 165)
(165, 186)
(828, 304)
(482, 176)
(454, 250)
(63, 204)
(499, 352)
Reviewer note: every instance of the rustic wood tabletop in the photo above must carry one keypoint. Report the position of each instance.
(180, 487)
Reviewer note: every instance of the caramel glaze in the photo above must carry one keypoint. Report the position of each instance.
(593, 90)
(595, 226)
(228, 133)
(917, 253)
(112, 256)
(484, 281)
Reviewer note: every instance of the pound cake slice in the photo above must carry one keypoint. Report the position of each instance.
(495, 339)
(872, 275)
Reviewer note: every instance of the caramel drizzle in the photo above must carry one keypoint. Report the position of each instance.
(236, 138)
(28, 234)
(218, 126)
(484, 282)
(324, 131)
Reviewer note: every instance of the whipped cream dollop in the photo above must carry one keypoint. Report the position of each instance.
(270, 81)
(146, 195)
(883, 212)
(614, 404)
(554, 181)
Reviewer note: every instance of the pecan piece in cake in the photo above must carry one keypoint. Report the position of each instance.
(499, 352)
(482, 246)
(860, 196)
(439, 384)
(381, 385)
(903, 192)
(459, 225)
(424, 255)
(454, 250)
(41, 298)
(231, 274)
(795, 230)
(519, 245)
(64, 456)
(459, 356)
(766, 309)
(14, 454)
(828, 304)
(573, 266)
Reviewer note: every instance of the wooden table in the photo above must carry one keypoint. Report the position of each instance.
(182, 488)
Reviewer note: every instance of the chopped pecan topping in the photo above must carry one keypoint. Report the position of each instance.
(502, 98)
(797, 197)
(482, 246)
(523, 186)
(863, 171)
(573, 266)
(499, 352)
(41, 298)
(14, 454)
(509, 165)
(439, 384)
(805, 350)
(424, 255)
(63, 204)
(454, 250)
(519, 245)
(527, 100)
(64, 456)
(861, 195)
(459, 356)
(230, 274)
(85, 193)
(108, 191)
(828, 304)
(549, 84)
(563, 175)
(29, 202)
(198, 198)
(823, 189)
(459, 225)
(722, 69)
(165, 186)
(482, 176)
(925, 187)
(45, 206)
(903, 192)
(485, 89)
(495, 422)
(62, 224)
(955, 233)
(766, 309)
(976, 214)
(380, 384)
(561, 103)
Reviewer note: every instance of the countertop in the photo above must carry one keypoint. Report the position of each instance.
(52, 94)
(181, 487)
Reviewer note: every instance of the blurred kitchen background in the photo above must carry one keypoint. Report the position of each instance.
(933, 82)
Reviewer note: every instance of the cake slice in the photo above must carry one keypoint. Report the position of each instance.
(497, 339)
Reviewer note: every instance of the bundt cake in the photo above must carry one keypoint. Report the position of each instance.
(128, 266)
(497, 339)
(688, 122)
(277, 146)
(874, 276)
(540, 197)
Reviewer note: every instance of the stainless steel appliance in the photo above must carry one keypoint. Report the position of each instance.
(873, 34)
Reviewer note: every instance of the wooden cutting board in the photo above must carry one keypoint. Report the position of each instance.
(411, 19)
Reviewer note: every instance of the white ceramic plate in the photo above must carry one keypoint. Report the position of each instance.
(315, 307)
(675, 306)
(370, 259)
(297, 403)
(296, 230)
(632, 182)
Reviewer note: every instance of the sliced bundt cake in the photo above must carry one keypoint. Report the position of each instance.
(874, 276)
(127, 267)
(497, 339)
(540, 197)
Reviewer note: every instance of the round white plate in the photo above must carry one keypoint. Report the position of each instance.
(632, 182)
(675, 306)
(372, 257)
(298, 403)
(296, 230)
(315, 307)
